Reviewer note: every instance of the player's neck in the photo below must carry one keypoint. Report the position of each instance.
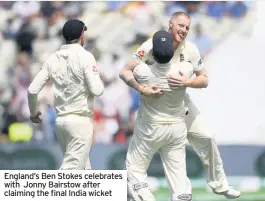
(176, 44)
(161, 66)
(74, 42)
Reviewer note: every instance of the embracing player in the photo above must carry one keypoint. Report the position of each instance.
(199, 135)
(160, 125)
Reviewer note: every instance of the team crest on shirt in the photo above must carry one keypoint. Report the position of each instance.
(94, 69)
(181, 57)
(141, 53)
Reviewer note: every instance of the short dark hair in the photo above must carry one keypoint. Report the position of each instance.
(73, 30)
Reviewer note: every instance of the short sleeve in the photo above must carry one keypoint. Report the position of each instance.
(91, 74)
(91, 64)
(143, 51)
(196, 59)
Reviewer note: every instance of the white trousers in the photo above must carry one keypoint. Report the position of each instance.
(169, 141)
(202, 140)
(74, 133)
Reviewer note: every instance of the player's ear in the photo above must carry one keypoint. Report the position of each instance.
(170, 24)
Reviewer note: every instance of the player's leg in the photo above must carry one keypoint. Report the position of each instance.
(202, 140)
(173, 157)
(77, 136)
(141, 150)
(60, 135)
(88, 165)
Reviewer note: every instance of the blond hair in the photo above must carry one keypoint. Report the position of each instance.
(179, 13)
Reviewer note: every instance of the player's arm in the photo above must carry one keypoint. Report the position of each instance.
(92, 78)
(201, 79)
(126, 73)
(35, 87)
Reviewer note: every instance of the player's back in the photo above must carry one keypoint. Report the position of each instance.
(71, 94)
(169, 108)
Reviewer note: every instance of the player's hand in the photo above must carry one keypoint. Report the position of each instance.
(153, 91)
(36, 118)
(181, 81)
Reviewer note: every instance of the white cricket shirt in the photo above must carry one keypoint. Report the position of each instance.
(187, 51)
(75, 78)
(169, 108)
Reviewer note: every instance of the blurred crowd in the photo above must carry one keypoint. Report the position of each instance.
(31, 30)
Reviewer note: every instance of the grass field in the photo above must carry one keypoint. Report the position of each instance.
(254, 189)
(201, 195)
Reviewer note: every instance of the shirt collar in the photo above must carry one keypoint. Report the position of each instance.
(67, 46)
(162, 68)
(162, 65)
(181, 46)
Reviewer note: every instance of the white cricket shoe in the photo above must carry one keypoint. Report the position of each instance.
(231, 193)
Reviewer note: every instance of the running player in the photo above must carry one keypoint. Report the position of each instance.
(76, 82)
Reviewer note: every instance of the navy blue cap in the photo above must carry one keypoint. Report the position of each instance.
(163, 49)
(73, 29)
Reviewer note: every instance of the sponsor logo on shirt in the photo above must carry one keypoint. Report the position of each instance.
(200, 62)
(181, 57)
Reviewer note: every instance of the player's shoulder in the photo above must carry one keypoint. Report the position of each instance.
(142, 73)
(147, 45)
(190, 46)
(49, 61)
(52, 57)
(143, 51)
(149, 41)
(87, 55)
(141, 69)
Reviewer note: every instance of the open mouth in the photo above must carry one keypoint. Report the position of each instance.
(181, 35)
